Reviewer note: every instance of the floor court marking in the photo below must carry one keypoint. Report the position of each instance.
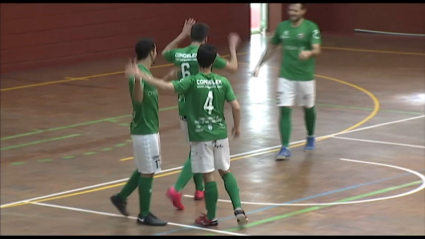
(421, 187)
(381, 142)
(246, 155)
(39, 142)
(73, 192)
(23, 202)
(67, 79)
(135, 218)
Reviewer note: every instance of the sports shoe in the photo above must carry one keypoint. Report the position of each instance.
(283, 154)
(241, 217)
(199, 195)
(203, 221)
(150, 220)
(120, 205)
(175, 197)
(310, 145)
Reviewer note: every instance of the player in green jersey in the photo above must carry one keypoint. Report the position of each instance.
(206, 94)
(185, 61)
(144, 130)
(301, 40)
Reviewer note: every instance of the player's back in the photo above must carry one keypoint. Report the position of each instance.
(185, 60)
(206, 110)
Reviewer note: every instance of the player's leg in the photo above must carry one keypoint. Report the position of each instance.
(174, 192)
(285, 101)
(148, 157)
(119, 200)
(197, 178)
(203, 162)
(308, 100)
(222, 164)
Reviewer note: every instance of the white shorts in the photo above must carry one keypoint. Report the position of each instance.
(183, 127)
(210, 156)
(300, 93)
(147, 153)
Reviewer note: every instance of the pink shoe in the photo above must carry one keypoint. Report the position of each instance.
(199, 195)
(175, 197)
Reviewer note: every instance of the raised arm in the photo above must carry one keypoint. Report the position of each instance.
(179, 87)
(137, 93)
(232, 64)
(171, 75)
(131, 70)
(184, 33)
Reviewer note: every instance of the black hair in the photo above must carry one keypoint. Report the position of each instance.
(302, 4)
(144, 47)
(206, 55)
(199, 32)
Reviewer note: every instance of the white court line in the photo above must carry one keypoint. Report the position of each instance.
(135, 218)
(125, 179)
(236, 155)
(421, 187)
(381, 142)
(381, 124)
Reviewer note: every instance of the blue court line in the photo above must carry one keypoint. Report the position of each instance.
(300, 200)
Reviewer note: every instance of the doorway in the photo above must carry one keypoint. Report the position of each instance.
(259, 17)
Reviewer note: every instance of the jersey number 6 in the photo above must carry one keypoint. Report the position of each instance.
(185, 69)
(208, 105)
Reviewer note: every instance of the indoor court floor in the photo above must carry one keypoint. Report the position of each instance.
(66, 148)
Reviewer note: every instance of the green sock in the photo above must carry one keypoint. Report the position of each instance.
(145, 194)
(130, 186)
(285, 125)
(185, 175)
(199, 181)
(211, 198)
(232, 189)
(310, 120)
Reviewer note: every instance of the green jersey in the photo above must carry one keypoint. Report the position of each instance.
(145, 113)
(185, 60)
(206, 95)
(295, 40)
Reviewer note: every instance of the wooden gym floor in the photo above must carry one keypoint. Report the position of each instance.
(65, 148)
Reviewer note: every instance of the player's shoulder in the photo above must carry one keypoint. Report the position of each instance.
(284, 24)
(310, 24)
(220, 77)
(187, 49)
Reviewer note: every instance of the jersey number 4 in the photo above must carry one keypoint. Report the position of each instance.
(208, 105)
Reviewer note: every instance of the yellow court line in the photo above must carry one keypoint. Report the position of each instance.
(67, 79)
(374, 51)
(153, 67)
(374, 112)
(370, 116)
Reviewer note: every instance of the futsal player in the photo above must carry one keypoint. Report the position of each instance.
(301, 41)
(144, 130)
(186, 64)
(206, 94)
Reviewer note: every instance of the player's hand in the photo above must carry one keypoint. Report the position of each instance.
(256, 72)
(304, 55)
(131, 68)
(187, 27)
(236, 132)
(234, 40)
(171, 75)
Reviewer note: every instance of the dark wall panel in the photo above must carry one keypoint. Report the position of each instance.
(42, 35)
